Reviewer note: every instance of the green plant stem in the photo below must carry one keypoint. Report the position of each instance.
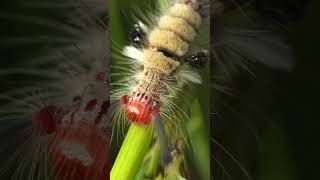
(132, 152)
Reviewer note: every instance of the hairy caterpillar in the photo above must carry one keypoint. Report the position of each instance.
(162, 54)
(168, 43)
(147, 83)
(56, 97)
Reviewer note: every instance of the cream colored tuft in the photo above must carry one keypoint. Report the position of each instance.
(169, 41)
(157, 60)
(186, 12)
(179, 26)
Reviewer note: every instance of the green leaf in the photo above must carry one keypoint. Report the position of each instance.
(200, 141)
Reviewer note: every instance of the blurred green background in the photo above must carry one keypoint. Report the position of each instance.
(271, 123)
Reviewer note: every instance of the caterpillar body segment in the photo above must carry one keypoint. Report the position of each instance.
(158, 62)
(166, 47)
(178, 26)
(169, 41)
(186, 12)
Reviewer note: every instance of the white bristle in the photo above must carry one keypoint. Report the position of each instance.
(133, 53)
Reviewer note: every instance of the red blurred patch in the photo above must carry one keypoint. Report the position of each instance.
(100, 76)
(47, 119)
(124, 99)
(91, 105)
(80, 152)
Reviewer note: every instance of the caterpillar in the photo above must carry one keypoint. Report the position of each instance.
(54, 107)
(168, 43)
(164, 51)
(149, 76)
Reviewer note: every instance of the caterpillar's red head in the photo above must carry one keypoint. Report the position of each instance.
(139, 107)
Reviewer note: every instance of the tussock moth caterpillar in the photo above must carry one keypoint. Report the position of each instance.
(164, 49)
(150, 76)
